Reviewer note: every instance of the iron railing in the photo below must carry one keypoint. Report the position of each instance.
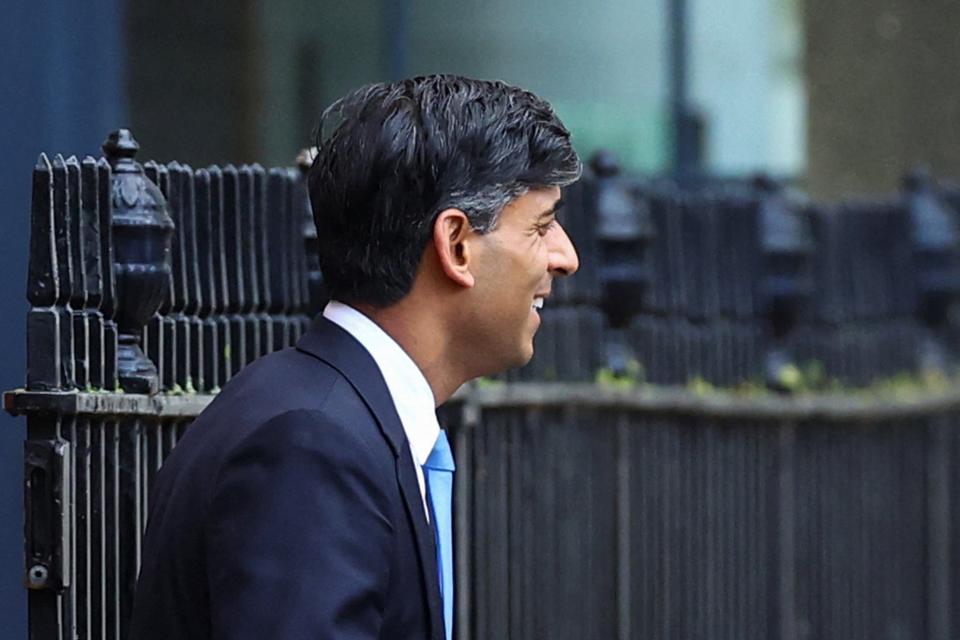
(633, 507)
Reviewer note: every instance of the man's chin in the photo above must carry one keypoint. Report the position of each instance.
(518, 359)
(524, 358)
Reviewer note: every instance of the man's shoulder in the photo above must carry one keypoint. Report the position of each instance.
(281, 404)
(284, 382)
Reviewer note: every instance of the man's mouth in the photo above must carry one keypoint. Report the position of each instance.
(537, 303)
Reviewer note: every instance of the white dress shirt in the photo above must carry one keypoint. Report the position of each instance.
(409, 389)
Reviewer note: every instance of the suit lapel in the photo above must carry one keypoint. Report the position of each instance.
(329, 342)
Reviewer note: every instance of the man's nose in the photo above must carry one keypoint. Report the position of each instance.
(563, 260)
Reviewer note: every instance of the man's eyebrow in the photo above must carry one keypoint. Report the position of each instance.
(552, 211)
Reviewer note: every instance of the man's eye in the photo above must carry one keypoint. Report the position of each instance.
(544, 228)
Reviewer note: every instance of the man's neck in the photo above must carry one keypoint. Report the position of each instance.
(425, 339)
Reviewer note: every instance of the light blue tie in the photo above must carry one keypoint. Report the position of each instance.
(438, 472)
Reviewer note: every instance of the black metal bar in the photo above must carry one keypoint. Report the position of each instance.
(62, 240)
(293, 241)
(108, 303)
(81, 591)
(129, 514)
(43, 327)
(78, 289)
(939, 556)
(262, 259)
(234, 273)
(159, 334)
(180, 325)
(300, 219)
(209, 295)
(223, 357)
(92, 270)
(98, 531)
(188, 231)
(112, 529)
(278, 256)
(248, 264)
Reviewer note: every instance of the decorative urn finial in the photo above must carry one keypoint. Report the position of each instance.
(624, 232)
(935, 240)
(786, 284)
(142, 232)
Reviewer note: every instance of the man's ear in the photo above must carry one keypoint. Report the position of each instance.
(451, 235)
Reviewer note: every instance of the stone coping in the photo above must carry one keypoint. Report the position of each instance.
(722, 404)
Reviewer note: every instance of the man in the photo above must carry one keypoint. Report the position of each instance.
(307, 501)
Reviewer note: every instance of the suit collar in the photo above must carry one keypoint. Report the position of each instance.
(333, 345)
(409, 389)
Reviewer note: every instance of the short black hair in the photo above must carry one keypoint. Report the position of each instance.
(404, 151)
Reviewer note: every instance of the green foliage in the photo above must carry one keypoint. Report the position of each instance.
(904, 385)
(483, 382)
(700, 387)
(811, 378)
(633, 376)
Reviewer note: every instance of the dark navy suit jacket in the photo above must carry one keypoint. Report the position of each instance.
(291, 510)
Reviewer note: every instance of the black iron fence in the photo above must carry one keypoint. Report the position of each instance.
(607, 490)
(596, 513)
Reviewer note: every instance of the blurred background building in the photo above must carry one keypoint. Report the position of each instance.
(837, 98)
(271, 66)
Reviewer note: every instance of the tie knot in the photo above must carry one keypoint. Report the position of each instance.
(441, 458)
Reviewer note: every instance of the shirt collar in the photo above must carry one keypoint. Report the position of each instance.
(407, 385)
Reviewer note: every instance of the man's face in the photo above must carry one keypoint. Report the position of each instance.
(514, 270)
